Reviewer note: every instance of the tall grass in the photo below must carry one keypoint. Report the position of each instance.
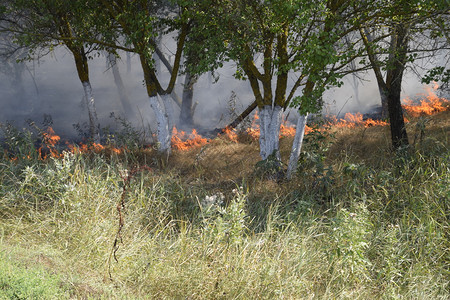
(349, 226)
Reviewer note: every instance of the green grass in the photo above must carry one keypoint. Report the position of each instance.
(22, 281)
(350, 226)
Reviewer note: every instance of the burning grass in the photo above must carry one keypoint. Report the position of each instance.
(181, 141)
(429, 104)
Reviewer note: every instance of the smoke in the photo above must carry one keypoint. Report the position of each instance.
(51, 86)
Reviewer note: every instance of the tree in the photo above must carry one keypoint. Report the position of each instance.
(139, 23)
(403, 20)
(272, 41)
(13, 66)
(45, 24)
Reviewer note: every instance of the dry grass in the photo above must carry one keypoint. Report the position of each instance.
(364, 224)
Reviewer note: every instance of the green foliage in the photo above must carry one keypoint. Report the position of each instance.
(270, 167)
(437, 74)
(225, 224)
(18, 281)
(350, 235)
(18, 144)
(312, 162)
(125, 136)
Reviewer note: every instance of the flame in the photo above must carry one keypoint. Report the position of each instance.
(182, 141)
(97, 148)
(253, 130)
(231, 134)
(50, 137)
(370, 122)
(49, 141)
(430, 105)
(353, 120)
(286, 129)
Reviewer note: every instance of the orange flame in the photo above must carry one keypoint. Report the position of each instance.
(353, 120)
(430, 105)
(182, 141)
(286, 129)
(231, 134)
(49, 139)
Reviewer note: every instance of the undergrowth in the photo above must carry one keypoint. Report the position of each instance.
(349, 226)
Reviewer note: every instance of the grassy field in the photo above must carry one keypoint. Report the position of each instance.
(358, 222)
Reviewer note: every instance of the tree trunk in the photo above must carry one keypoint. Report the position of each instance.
(397, 61)
(128, 63)
(355, 86)
(187, 113)
(126, 104)
(391, 88)
(384, 101)
(269, 124)
(163, 130)
(375, 64)
(92, 112)
(170, 115)
(81, 63)
(296, 146)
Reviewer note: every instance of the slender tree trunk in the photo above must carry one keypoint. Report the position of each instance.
(162, 109)
(169, 68)
(93, 119)
(170, 115)
(81, 63)
(270, 122)
(355, 86)
(375, 64)
(296, 146)
(187, 113)
(394, 77)
(128, 63)
(384, 101)
(124, 100)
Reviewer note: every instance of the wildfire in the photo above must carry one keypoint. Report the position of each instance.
(253, 131)
(430, 105)
(286, 129)
(353, 120)
(231, 134)
(182, 141)
(49, 141)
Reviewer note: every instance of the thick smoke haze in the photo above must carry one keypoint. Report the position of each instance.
(50, 86)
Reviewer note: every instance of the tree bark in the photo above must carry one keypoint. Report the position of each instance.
(394, 77)
(124, 100)
(163, 132)
(93, 119)
(375, 64)
(296, 146)
(187, 113)
(170, 115)
(128, 63)
(269, 124)
(390, 89)
(81, 63)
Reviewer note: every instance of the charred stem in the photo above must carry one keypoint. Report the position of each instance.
(120, 208)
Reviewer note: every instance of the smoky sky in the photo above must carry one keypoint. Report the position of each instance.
(50, 86)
